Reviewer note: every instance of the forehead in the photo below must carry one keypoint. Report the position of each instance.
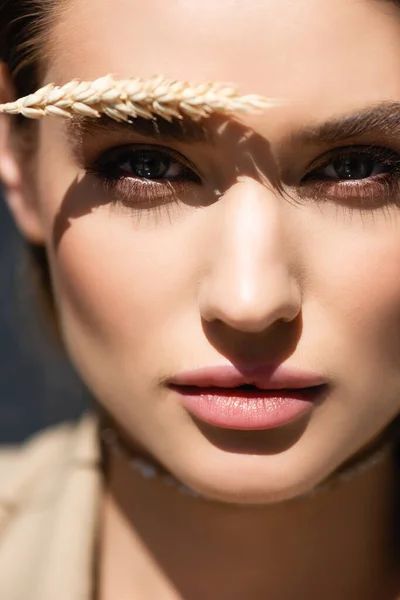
(323, 56)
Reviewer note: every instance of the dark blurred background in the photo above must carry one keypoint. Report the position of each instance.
(38, 387)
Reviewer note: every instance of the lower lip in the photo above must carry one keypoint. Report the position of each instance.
(244, 409)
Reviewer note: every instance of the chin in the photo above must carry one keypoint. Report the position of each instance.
(250, 480)
(246, 493)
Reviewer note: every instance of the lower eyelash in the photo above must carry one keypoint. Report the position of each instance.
(373, 193)
(137, 192)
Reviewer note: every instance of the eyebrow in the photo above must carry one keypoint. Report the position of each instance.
(182, 130)
(384, 117)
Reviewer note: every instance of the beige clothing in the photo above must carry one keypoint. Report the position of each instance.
(49, 501)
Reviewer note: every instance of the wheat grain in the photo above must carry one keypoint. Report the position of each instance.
(125, 99)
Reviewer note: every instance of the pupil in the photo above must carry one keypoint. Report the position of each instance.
(150, 165)
(353, 168)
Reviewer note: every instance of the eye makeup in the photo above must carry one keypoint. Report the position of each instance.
(142, 174)
(362, 175)
(365, 177)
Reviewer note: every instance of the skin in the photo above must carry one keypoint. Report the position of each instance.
(251, 277)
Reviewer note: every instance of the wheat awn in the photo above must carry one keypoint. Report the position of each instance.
(123, 100)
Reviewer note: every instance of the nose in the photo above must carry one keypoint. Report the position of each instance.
(249, 284)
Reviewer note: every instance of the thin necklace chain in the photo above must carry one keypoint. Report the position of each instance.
(149, 469)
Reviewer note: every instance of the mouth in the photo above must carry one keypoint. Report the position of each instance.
(247, 406)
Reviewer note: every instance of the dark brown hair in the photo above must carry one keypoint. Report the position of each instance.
(24, 27)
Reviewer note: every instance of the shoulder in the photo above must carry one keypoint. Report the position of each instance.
(14, 458)
(24, 465)
(42, 483)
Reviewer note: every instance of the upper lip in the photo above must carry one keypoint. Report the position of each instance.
(267, 378)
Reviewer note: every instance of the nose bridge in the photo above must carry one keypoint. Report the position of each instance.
(249, 285)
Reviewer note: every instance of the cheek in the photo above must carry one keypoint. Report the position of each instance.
(124, 283)
(357, 284)
(115, 277)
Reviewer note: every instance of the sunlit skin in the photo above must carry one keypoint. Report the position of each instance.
(253, 263)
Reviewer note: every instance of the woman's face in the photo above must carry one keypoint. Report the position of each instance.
(270, 244)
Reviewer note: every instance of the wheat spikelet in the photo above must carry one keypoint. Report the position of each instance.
(123, 99)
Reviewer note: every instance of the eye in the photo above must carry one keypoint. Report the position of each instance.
(146, 176)
(353, 168)
(358, 176)
(354, 164)
(150, 164)
(144, 163)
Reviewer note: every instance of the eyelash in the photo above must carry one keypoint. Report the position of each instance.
(140, 190)
(368, 192)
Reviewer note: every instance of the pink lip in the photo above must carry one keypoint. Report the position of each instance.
(265, 378)
(276, 397)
